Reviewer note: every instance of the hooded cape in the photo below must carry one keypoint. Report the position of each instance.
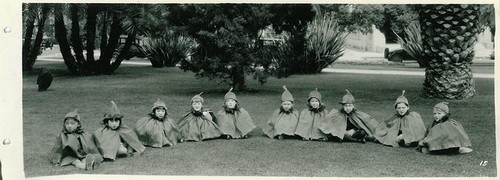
(445, 135)
(67, 148)
(282, 123)
(236, 125)
(198, 128)
(155, 133)
(108, 140)
(411, 126)
(336, 123)
(309, 123)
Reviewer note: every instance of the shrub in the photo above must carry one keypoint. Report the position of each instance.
(168, 49)
(412, 43)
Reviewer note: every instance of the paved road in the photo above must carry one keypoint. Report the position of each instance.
(481, 68)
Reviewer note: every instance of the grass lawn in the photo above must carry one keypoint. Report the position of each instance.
(135, 88)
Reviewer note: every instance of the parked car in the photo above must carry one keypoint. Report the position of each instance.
(400, 55)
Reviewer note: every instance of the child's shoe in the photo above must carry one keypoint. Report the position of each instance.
(89, 162)
(464, 150)
(280, 137)
(425, 150)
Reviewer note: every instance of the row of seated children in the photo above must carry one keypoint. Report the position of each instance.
(76, 147)
(404, 128)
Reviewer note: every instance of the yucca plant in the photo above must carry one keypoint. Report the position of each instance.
(168, 49)
(449, 33)
(412, 43)
(325, 44)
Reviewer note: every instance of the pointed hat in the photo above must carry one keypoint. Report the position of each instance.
(401, 99)
(159, 103)
(443, 106)
(314, 94)
(347, 98)
(73, 114)
(230, 95)
(286, 96)
(197, 98)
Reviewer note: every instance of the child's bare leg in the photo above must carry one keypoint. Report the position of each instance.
(79, 164)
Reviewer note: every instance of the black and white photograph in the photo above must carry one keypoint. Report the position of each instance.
(251, 90)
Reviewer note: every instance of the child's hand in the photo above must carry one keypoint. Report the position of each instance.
(207, 115)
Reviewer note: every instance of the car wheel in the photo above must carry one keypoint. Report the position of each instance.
(396, 58)
(421, 64)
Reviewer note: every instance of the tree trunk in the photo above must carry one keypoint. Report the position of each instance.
(104, 31)
(30, 26)
(449, 33)
(76, 41)
(107, 55)
(239, 78)
(61, 37)
(123, 53)
(92, 11)
(33, 53)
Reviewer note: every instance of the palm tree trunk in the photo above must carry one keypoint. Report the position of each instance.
(123, 53)
(104, 31)
(92, 11)
(30, 26)
(61, 37)
(107, 55)
(449, 33)
(33, 53)
(75, 35)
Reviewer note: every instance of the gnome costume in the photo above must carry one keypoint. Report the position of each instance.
(339, 123)
(44, 79)
(311, 119)
(445, 135)
(282, 122)
(195, 126)
(157, 132)
(234, 123)
(410, 126)
(77, 145)
(108, 140)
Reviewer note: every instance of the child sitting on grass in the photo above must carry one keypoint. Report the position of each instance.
(116, 139)
(284, 120)
(233, 120)
(445, 135)
(157, 129)
(349, 123)
(310, 119)
(198, 124)
(404, 128)
(73, 146)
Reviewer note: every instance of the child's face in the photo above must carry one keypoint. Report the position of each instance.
(160, 112)
(401, 108)
(287, 105)
(197, 105)
(231, 103)
(348, 107)
(438, 114)
(114, 123)
(71, 125)
(314, 103)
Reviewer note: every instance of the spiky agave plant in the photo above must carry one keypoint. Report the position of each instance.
(168, 49)
(325, 44)
(449, 33)
(412, 43)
